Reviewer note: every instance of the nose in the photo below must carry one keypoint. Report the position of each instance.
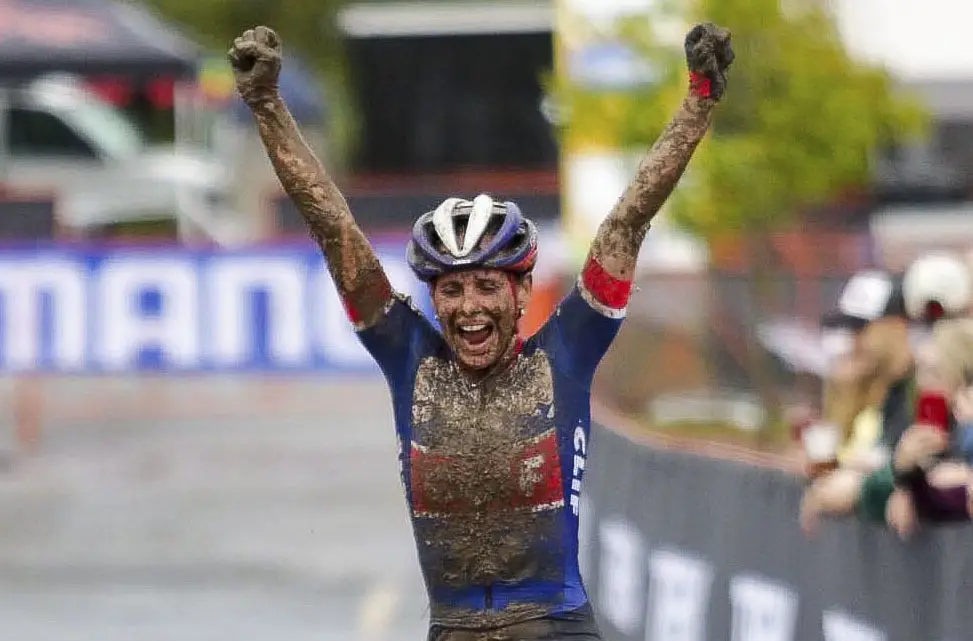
(470, 305)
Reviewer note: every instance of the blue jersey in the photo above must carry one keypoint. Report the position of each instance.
(492, 471)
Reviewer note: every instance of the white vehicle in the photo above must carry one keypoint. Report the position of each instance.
(58, 138)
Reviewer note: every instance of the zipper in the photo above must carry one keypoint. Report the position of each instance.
(488, 597)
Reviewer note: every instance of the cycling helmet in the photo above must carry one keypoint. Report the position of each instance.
(460, 234)
(937, 286)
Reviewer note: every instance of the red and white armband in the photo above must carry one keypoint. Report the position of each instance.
(607, 294)
(384, 295)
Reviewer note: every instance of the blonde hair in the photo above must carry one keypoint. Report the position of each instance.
(864, 378)
(952, 342)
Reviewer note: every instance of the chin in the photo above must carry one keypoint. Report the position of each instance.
(479, 362)
(480, 359)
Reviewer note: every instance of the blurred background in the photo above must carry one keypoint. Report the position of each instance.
(193, 444)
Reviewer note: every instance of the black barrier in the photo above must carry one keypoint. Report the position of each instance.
(22, 219)
(678, 547)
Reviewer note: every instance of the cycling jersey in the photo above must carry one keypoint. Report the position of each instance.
(492, 471)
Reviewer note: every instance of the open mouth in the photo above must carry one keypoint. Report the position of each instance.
(475, 334)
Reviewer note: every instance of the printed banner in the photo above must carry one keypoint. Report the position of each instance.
(676, 547)
(91, 311)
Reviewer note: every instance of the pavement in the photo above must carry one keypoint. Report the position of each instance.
(245, 510)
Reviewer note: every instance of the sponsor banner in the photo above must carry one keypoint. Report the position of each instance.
(92, 311)
(676, 547)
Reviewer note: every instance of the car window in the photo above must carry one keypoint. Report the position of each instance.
(37, 133)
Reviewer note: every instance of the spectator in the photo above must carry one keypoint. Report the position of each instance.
(865, 380)
(931, 468)
(943, 365)
(936, 287)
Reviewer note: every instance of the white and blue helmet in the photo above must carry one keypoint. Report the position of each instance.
(463, 234)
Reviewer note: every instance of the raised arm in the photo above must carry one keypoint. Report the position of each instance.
(361, 282)
(611, 263)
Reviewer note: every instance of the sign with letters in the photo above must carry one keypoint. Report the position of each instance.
(677, 547)
(121, 310)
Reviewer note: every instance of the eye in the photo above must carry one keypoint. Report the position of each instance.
(487, 286)
(451, 290)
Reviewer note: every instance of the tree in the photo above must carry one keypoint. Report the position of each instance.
(304, 24)
(797, 129)
(307, 28)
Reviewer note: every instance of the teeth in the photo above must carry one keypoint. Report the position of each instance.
(473, 328)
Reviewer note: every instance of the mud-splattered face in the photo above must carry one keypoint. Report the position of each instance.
(478, 310)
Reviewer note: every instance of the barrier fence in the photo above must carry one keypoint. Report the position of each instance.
(677, 546)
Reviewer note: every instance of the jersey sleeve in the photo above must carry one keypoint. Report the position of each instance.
(585, 324)
(397, 337)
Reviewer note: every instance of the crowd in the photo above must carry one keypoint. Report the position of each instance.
(894, 442)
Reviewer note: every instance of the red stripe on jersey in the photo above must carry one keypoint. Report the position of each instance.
(382, 291)
(351, 311)
(534, 481)
(606, 289)
(537, 472)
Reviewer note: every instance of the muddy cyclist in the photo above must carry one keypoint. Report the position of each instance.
(492, 426)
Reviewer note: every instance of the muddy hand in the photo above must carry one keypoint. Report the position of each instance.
(709, 56)
(256, 57)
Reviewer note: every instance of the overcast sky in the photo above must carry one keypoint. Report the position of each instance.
(914, 38)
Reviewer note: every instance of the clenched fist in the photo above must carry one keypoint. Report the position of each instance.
(256, 57)
(709, 56)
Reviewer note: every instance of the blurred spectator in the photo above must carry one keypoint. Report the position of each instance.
(932, 466)
(871, 360)
(936, 288)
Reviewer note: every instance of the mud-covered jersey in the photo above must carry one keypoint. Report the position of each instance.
(492, 471)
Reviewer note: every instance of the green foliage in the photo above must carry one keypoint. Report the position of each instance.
(798, 126)
(303, 24)
(307, 29)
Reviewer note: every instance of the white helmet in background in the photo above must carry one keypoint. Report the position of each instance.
(936, 286)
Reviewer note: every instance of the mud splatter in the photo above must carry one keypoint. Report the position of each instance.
(620, 236)
(357, 273)
(617, 243)
(486, 484)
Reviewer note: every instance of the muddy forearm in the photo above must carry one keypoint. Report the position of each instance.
(357, 273)
(620, 236)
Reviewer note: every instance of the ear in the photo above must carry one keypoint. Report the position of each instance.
(525, 285)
